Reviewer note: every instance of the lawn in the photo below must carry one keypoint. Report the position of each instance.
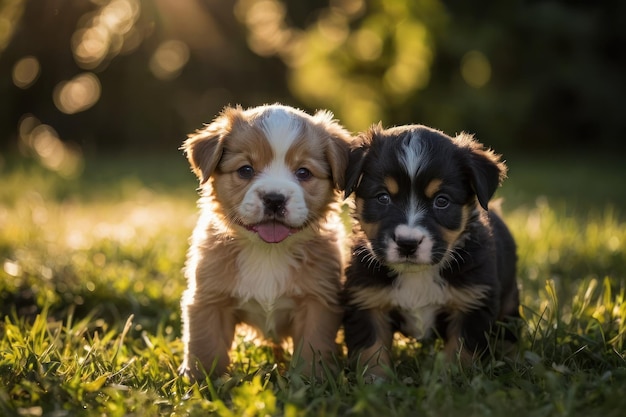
(90, 280)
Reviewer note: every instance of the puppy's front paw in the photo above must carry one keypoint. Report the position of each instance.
(186, 372)
(194, 373)
(374, 378)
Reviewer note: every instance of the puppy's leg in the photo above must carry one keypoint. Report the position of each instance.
(467, 335)
(369, 335)
(208, 332)
(314, 330)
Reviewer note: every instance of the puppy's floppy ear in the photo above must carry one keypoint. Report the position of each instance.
(487, 171)
(204, 147)
(337, 147)
(358, 150)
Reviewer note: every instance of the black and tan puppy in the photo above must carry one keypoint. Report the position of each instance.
(429, 257)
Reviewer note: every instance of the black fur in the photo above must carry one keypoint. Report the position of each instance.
(480, 259)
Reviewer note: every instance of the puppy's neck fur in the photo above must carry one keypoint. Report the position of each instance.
(263, 273)
(419, 288)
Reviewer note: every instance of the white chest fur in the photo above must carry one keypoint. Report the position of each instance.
(419, 295)
(264, 284)
(264, 273)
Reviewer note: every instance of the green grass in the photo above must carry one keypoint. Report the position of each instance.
(90, 280)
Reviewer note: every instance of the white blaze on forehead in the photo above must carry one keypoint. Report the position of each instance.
(281, 127)
(411, 158)
(412, 155)
(414, 214)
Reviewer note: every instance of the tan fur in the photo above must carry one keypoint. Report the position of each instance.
(454, 345)
(301, 274)
(432, 187)
(392, 185)
(371, 297)
(377, 357)
(462, 300)
(306, 153)
(466, 299)
(370, 229)
(451, 236)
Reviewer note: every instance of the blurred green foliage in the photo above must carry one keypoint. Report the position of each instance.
(82, 77)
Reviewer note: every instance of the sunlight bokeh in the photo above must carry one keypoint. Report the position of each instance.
(548, 71)
(169, 59)
(268, 33)
(366, 44)
(78, 94)
(26, 71)
(104, 32)
(392, 46)
(44, 142)
(476, 69)
(10, 13)
(410, 69)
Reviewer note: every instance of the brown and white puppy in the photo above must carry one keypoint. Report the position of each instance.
(266, 248)
(430, 257)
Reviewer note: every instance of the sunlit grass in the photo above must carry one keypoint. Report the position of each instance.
(90, 280)
(125, 253)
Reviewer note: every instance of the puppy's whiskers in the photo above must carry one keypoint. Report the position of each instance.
(367, 257)
(233, 218)
(372, 262)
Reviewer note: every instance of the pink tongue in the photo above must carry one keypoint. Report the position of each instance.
(272, 232)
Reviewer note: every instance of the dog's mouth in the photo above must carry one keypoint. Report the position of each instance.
(272, 231)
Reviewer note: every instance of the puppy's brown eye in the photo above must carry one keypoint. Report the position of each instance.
(303, 174)
(246, 172)
(441, 202)
(383, 198)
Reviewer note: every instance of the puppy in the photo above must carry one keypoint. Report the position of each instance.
(266, 248)
(429, 256)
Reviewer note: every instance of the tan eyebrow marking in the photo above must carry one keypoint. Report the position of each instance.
(432, 187)
(392, 185)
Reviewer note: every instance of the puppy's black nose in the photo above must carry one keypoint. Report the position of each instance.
(274, 203)
(407, 247)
